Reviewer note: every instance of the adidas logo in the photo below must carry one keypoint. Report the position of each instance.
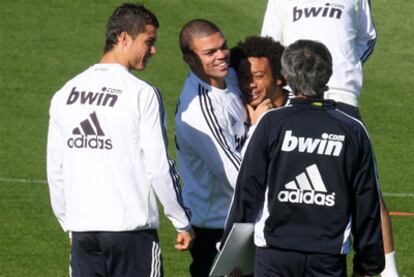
(330, 10)
(330, 144)
(88, 135)
(307, 188)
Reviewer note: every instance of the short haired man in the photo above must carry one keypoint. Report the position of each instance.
(210, 129)
(107, 159)
(308, 180)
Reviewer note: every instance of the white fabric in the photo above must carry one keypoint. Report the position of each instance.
(390, 269)
(106, 154)
(210, 129)
(350, 38)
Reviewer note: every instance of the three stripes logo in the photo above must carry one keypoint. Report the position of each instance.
(307, 188)
(89, 135)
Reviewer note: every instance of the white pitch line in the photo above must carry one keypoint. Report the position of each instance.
(395, 194)
(21, 180)
(31, 181)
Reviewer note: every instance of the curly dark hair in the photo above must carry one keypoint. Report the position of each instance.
(259, 47)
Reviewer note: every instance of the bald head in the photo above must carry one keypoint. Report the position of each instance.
(195, 28)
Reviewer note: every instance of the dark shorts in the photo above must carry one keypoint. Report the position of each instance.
(204, 250)
(116, 254)
(273, 262)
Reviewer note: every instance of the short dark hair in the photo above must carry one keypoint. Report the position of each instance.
(307, 67)
(259, 47)
(131, 18)
(195, 28)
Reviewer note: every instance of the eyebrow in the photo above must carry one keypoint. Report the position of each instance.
(205, 51)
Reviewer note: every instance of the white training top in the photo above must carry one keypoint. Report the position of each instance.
(210, 128)
(106, 154)
(345, 27)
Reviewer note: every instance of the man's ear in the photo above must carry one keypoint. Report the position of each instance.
(124, 39)
(188, 59)
(279, 82)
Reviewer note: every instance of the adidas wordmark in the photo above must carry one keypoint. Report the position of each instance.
(308, 188)
(89, 135)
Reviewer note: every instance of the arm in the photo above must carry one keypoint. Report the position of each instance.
(251, 185)
(366, 34)
(160, 169)
(55, 144)
(201, 133)
(366, 229)
(273, 21)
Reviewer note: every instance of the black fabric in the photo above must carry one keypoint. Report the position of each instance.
(204, 250)
(116, 254)
(273, 262)
(349, 109)
(316, 167)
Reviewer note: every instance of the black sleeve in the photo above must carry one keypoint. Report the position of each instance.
(366, 227)
(251, 182)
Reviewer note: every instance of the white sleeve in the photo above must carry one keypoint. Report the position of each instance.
(203, 133)
(55, 144)
(273, 21)
(160, 169)
(366, 34)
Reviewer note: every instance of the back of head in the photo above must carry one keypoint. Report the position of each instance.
(130, 18)
(259, 47)
(195, 28)
(307, 67)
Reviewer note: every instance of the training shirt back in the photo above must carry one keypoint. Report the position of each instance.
(345, 27)
(210, 128)
(308, 181)
(106, 155)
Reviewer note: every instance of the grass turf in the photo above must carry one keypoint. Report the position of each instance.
(45, 43)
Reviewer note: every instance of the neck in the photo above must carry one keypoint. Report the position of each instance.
(113, 56)
(278, 98)
(219, 83)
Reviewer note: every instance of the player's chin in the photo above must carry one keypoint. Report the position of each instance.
(222, 72)
(254, 103)
(140, 66)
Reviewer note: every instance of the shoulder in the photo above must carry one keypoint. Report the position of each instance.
(194, 95)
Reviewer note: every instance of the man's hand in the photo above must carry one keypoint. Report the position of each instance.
(184, 240)
(254, 114)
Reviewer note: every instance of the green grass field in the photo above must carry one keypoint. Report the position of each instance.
(45, 43)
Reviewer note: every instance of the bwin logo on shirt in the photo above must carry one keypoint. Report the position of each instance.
(330, 144)
(91, 137)
(329, 10)
(107, 97)
(308, 189)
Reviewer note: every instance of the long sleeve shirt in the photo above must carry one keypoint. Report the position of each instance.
(106, 155)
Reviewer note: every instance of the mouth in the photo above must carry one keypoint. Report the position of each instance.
(223, 65)
(254, 94)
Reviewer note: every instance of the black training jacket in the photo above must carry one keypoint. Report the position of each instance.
(309, 180)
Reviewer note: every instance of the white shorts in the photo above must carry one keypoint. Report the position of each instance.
(342, 96)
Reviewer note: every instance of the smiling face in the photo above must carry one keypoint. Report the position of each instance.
(209, 59)
(140, 49)
(256, 80)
